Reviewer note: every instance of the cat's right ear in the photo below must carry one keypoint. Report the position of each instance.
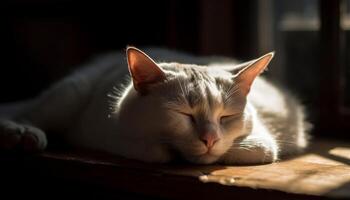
(143, 69)
(247, 75)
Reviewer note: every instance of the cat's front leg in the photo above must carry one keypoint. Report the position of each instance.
(21, 136)
(251, 149)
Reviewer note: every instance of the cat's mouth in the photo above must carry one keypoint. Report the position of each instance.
(207, 152)
(205, 158)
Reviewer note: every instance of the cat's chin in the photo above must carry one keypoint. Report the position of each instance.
(204, 159)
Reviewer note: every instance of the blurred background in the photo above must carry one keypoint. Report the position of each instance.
(44, 40)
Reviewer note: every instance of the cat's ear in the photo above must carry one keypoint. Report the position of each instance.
(234, 69)
(143, 69)
(246, 76)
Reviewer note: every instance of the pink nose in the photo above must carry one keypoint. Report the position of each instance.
(209, 138)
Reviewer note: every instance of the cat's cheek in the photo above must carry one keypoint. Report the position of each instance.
(233, 128)
(178, 130)
(179, 126)
(222, 146)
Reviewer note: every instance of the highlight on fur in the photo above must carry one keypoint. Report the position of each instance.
(210, 110)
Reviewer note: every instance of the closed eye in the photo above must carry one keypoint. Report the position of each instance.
(190, 117)
(226, 118)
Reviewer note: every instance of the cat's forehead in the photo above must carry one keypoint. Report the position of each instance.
(196, 72)
(198, 79)
(200, 86)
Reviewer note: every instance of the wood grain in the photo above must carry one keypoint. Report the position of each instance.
(323, 172)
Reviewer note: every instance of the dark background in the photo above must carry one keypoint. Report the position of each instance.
(42, 41)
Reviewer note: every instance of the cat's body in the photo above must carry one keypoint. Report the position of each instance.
(202, 113)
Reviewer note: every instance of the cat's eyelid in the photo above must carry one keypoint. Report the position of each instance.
(189, 115)
(180, 111)
(231, 115)
(185, 113)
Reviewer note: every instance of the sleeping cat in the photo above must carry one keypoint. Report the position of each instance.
(213, 111)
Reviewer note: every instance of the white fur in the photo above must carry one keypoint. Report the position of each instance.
(91, 114)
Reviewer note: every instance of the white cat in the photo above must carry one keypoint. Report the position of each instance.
(218, 112)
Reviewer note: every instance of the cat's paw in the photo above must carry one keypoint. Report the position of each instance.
(21, 136)
(250, 151)
(251, 156)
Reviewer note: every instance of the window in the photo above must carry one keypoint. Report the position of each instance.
(311, 39)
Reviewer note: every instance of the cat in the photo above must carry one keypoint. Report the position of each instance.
(214, 111)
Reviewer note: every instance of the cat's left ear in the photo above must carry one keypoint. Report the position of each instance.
(247, 75)
(143, 69)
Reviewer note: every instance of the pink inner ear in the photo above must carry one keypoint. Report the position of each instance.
(247, 76)
(142, 68)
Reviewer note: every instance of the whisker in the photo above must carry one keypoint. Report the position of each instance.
(284, 142)
(231, 92)
(232, 149)
(182, 89)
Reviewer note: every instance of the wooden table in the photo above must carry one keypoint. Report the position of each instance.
(323, 172)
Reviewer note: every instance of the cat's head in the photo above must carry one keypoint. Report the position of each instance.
(197, 111)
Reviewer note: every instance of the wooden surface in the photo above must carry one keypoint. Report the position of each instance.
(321, 173)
